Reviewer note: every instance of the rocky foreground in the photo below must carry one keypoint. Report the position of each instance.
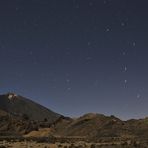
(78, 144)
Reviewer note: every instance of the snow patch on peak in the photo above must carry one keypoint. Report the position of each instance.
(12, 96)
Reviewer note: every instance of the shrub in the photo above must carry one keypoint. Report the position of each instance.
(92, 146)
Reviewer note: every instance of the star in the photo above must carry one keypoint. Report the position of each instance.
(122, 24)
(125, 68)
(134, 44)
(105, 1)
(69, 88)
(89, 43)
(138, 96)
(90, 4)
(124, 53)
(68, 80)
(125, 81)
(107, 29)
(16, 8)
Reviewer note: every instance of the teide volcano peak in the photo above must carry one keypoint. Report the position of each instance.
(19, 106)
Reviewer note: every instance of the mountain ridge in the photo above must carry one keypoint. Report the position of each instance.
(19, 115)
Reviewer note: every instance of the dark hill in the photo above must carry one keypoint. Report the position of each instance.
(92, 125)
(96, 126)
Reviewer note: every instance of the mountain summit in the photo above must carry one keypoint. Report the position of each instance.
(20, 106)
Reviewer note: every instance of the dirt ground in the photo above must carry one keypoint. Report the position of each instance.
(33, 144)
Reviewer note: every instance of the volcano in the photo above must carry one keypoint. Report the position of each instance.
(19, 106)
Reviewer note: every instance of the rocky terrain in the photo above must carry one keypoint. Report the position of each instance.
(95, 126)
(22, 119)
(19, 106)
(19, 115)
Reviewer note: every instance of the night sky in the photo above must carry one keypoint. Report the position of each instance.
(77, 56)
